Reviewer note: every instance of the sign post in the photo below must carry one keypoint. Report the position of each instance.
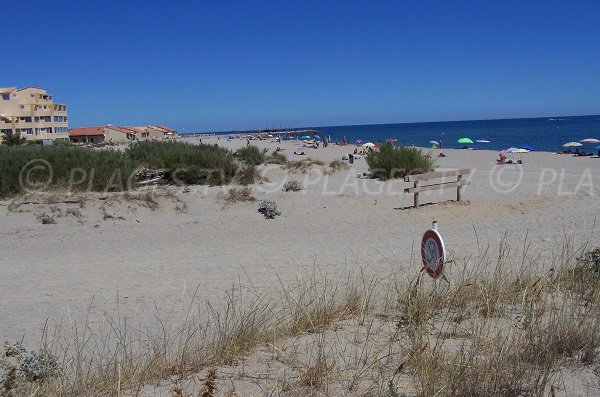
(433, 251)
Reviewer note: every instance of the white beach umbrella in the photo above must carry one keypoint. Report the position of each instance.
(572, 144)
(435, 143)
(521, 150)
(590, 140)
(369, 144)
(482, 141)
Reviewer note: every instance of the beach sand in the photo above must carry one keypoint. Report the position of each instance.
(121, 255)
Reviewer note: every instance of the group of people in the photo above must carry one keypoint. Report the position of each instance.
(502, 159)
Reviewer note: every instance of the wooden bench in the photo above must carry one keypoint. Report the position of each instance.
(420, 178)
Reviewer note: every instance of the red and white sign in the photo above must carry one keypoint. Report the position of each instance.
(433, 252)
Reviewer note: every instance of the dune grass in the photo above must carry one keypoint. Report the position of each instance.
(398, 161)
(38, 168)
(503, 323)
(47, 168)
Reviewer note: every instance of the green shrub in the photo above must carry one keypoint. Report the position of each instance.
(292, 186)
(398, 161)
(269, 209)
(13, 139)
(252, 155)
(184, 163)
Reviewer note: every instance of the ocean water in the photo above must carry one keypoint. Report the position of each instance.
(544, 134)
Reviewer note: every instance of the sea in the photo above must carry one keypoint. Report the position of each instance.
(547, 134)
(543, 134)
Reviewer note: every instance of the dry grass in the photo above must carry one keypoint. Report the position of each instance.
(46, 219)
(302, 166)
(504, 324)
(235, 195)
(335, 166)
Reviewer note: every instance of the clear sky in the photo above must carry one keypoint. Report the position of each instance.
(219, 65)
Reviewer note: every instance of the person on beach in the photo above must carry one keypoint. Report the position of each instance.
(247, 142)
(501, 158)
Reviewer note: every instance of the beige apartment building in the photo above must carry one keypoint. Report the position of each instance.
(32, 113)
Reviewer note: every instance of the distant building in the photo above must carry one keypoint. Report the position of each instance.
(116, 134)
(32, 113)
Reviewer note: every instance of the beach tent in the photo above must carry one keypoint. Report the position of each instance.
(317, 137)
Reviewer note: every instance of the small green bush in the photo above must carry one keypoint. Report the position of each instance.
(252, 155)
(293, 186)
(269, 209)
(398, 161)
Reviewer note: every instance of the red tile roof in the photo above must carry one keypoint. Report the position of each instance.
(86, 131)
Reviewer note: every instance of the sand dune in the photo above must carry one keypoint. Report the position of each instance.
(155, 257)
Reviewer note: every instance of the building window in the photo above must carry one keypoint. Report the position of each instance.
(26, 119)
(5, 97)
(6, 131)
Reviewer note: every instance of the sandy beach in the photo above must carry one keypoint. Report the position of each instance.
(138, 260)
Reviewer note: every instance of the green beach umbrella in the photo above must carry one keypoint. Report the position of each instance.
(465, 140)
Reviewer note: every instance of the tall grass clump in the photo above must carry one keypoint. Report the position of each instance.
(398, 161)
(31, 168)
(184, 163)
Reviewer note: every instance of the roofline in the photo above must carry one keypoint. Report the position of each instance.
(37, 88)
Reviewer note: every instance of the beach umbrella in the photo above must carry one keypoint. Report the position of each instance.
(572, 144)
(482, 141)
(369, 144)
(511, 150)
(521, 150)
(527, 147)
(359, 141)
(435, 143)
(391, 140)
(305, 137)
(465, 140)
(317, 137)
(590, 140)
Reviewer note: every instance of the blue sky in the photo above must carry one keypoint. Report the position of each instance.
(200, 65)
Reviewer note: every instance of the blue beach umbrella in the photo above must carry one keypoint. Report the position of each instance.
(527, 147)
(305, 137)
(317, 137)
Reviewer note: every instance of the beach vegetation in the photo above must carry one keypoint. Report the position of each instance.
(302, 166)
(506, 324)
(252, 155)
(293, 186)
(184, 163)
(269, 209)
(276, 158)
(398, 161)
(44, 168)
(13, 139)
(235, 195)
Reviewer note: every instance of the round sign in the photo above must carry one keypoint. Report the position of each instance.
(433, 252)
